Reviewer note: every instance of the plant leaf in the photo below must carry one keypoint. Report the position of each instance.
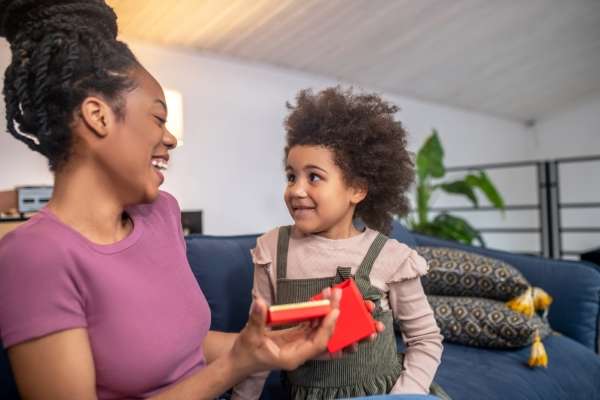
(423, 196)
(490, 191)
(484, 183)
(458, 227)
(462, 187)
(443, 231)
(430, 158)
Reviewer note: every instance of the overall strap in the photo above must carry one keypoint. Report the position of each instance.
(283, 241)
(364, 270)
(341, 274)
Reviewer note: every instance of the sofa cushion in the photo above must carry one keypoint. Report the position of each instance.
(482, 322)
(574, 286)
(476, 373)
(223, 268)
(454, 272)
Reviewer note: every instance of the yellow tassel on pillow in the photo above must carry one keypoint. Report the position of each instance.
(523, 303)
(541, 299)
(538, 357)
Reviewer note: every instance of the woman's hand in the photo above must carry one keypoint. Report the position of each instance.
(257, 348)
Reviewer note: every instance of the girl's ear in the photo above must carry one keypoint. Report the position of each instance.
(358, 193)
(97, 115)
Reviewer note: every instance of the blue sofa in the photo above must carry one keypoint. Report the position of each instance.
(223, 268)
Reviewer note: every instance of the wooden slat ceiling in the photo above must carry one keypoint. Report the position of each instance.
(521, 60)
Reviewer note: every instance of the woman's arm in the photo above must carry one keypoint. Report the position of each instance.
(257, 349)
(60, 365)
(57, 366)
(217, 344)
(420, 333)
(251, 387)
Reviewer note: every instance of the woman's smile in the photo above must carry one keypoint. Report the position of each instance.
(160, 163)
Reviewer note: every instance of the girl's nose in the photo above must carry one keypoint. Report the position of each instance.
(298, 190)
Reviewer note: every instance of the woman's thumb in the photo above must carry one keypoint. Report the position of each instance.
(258, 314)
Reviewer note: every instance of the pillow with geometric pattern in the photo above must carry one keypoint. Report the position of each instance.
(484, 323)
(455, 272)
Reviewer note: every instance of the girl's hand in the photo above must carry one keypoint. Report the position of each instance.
(353, 348)
(258, 349)
(379, 326)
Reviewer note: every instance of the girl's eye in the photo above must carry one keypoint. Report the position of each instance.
(314, 177)
(161, 121)
(291, 178)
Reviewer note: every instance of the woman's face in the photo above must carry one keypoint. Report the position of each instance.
(137, 149)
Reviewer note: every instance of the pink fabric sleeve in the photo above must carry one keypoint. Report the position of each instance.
(396, 263)
(264, 275)
(421, 336)
(38, 290)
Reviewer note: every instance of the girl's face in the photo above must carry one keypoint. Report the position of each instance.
(317, 196)
(136, 152)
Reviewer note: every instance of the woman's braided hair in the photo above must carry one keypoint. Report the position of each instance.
(62, 52)
(368, 144)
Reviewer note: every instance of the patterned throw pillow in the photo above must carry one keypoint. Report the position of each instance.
(455, 272)
(484, 323)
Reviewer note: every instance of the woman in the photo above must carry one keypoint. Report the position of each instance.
(97, 299)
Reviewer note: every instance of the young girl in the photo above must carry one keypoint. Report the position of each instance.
(346, 160)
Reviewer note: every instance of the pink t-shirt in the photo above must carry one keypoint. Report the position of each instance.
(138, 299)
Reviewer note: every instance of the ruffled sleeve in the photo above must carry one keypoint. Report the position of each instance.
(264, 270)
(399, 263)
(266, 248)
(260, 255)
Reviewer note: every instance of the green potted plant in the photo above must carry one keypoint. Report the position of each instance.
(429, 171)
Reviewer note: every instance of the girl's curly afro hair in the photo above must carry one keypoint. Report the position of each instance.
(369, 146)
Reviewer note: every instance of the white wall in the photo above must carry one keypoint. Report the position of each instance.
(231, 163)
(572, 132)
(575, 132)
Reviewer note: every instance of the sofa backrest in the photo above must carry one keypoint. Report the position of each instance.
(223, 267)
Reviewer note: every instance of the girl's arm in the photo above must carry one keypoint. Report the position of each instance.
(420, 333)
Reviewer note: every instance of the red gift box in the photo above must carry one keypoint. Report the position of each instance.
(354, 322)
(296, 312)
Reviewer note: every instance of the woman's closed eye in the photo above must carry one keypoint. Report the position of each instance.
(161, 121)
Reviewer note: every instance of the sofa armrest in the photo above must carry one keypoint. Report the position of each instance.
(574, 285)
